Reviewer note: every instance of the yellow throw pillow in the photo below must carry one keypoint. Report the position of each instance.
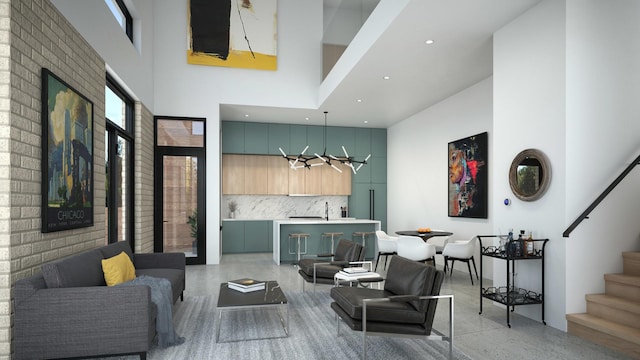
(118, 269)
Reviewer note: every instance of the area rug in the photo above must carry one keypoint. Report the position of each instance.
(312, 334)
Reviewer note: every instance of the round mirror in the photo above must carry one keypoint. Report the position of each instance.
(529, 175)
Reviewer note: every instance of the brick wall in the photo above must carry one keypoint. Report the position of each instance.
(39, 37)
(34, 35)
(143, 179)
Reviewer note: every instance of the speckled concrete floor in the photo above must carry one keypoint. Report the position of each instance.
(483, 336)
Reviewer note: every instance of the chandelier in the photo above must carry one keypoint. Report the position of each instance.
(308, 161)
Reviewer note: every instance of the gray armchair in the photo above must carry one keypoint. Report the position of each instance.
(405, 307)
(320, 270)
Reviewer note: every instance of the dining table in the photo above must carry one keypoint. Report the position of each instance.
(424, 235)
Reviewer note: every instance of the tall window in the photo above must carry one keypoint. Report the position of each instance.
(121, 13)
(118, 164)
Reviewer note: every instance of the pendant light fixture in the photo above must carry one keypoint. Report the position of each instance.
(307, 160)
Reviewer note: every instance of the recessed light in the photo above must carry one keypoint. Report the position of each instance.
(307, 118)
(246, 115)
(386, 77)
(359, 100)
(366, 122)
(429, 42)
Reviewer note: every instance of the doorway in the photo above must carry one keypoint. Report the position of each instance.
(179, 188)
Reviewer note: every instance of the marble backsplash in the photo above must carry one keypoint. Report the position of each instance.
(282, 207)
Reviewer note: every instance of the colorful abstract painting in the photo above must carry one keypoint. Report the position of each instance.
(233, 33)
(67, 156)
(468, 177)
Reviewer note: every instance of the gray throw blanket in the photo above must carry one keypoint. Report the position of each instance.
(161, 296)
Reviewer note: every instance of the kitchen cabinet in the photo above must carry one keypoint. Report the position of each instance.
(255, 174)
(248, 236)
(271, 175)
(257, 236)
(232, 237)
(278, 136)
(233, 137)
(306, 181)
(315, 139)
(277, 176)
(256, 140)
(233, 174)
(334, 182)
(297, 139)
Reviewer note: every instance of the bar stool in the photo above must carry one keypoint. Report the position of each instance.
(363, 235)
(298, 237)
(333, 235)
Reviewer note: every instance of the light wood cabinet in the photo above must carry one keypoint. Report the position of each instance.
(233, 174)
(271, 175)
(306, 181)
(277, 176)
(255, 174)
(297, 179)
(334, 182)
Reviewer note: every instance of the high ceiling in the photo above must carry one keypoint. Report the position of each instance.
(421, 75)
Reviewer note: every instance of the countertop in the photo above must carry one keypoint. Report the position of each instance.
(299, 220)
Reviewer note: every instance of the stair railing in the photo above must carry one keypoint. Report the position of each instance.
(598, 200)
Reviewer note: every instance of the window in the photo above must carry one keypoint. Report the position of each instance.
(122, 15)
(118, 164)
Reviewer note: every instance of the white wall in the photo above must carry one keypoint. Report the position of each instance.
(131, 65)
(197, 91)
(155, 71)
(417, 169)
(603, 88)
(529, 112)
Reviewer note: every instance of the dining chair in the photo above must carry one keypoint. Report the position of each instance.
(414, 248)
(439, 242)
(461, 251)
(387, 245)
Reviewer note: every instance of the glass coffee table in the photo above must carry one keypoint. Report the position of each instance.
(270, 297)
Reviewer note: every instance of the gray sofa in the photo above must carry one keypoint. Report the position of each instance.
(68, 311)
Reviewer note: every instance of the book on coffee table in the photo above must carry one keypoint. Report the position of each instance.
(246, 285)
(245, 289)
(246, 282)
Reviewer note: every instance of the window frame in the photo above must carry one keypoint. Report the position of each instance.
(114, 131)
(128, 19)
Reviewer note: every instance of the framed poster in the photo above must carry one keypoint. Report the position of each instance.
(67, 156)
(238, 34)
(468, 171)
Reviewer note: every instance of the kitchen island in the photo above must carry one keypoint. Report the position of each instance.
(285, 251)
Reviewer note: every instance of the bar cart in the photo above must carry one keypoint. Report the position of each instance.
(512, 251)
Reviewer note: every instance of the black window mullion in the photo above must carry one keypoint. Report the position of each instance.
(128, 19)
(114, 132)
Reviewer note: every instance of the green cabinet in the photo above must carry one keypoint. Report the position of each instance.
(232, 237)
(362, 143)
(256, 140)
(379, 142)
(265, 139)
(257, 236)
(315, 139)
(232, 137)
(297, 139)
(279, 138)
(337, 137)
(250, 236)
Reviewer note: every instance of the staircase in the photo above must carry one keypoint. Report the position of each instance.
(613, 318)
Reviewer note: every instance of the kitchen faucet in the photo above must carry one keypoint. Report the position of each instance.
(326, 210)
